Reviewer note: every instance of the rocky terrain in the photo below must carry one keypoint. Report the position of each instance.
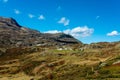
(14, 35)
(27, 54)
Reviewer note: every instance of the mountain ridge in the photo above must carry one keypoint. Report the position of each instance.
(13, 34)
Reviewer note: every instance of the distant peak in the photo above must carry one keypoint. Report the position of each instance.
(9, 21)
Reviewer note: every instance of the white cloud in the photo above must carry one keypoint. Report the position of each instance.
(97, 17)
(31, 15)
(68, 31)
(77, 32)
(41, 17)
(16, 11)
(5, 1)
(53, 31)
(80, 31)
(64, 21)
(113, 33)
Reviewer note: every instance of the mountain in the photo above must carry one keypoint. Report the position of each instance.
(14, 35)
(27, 54)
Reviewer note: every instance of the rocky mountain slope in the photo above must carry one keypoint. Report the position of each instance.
(14, 35)
(27, 54)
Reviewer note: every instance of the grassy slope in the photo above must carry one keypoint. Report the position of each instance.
(53, 64)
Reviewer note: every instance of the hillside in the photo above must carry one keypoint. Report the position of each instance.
(27, 54)
(14, 35)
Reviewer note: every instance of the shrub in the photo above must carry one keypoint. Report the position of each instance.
(103, 71)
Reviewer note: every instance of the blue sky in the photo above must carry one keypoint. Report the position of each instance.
(87, 20)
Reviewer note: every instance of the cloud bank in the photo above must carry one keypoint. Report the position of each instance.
(77, 32)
